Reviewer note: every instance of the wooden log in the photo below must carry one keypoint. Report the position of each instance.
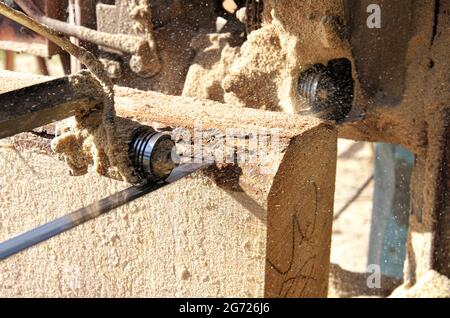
(296, 197)
(292, 195)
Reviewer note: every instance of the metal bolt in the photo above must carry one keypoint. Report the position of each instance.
(328, 90)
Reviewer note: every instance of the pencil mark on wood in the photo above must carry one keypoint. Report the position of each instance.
(294, 280)
(298, 239)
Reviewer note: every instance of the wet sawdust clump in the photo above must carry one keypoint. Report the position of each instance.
(215, 53)
(95, 137)
(82, 142)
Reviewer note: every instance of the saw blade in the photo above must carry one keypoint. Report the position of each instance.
(80, 216)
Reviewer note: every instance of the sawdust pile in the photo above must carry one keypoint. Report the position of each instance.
(265, 75)
(215, 54)
(96, 137)
(343, 284)
(82, 142)
(430, 285)
(254, 78)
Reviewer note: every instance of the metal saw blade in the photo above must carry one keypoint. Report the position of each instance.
(80, 216)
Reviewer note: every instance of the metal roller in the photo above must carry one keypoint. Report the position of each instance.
(151, 154)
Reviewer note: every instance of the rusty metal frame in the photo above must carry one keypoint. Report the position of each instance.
(14, 38)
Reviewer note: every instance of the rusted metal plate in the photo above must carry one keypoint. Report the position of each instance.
(14, 37)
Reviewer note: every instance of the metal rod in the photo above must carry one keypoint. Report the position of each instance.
(123, 43)
(38, 105)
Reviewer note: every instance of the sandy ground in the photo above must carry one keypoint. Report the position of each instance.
(351, 230)
(354, 166)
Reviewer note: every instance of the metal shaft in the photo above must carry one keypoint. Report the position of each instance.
(128, 44)
(37, 105)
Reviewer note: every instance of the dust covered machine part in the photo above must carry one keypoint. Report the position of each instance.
(328, 90)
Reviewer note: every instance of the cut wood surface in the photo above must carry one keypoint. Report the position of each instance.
(183, 111)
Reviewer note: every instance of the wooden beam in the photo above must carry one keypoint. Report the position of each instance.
(292, 194)
(429, 234)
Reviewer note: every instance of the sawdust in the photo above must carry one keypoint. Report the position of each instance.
(255, 76)
(83, 142)
(215, 53)
(74, 148)
(430, 285)
(265, 75)
(97, 136)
